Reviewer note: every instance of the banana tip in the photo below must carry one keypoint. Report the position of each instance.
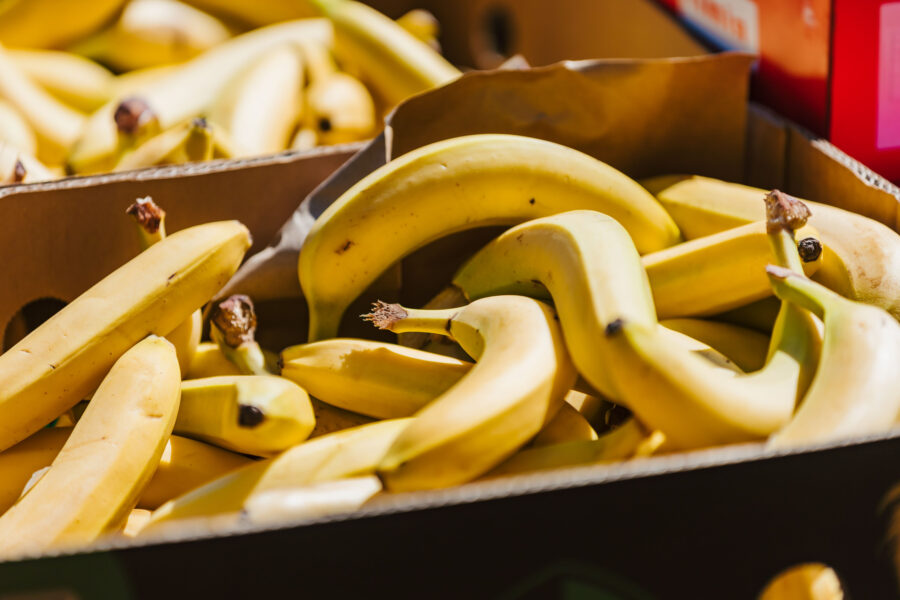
(810, 249)
(614, 327)
(384, 315)
(779, 272)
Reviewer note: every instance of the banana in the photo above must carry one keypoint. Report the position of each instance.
(521, 375)
(330, 419)
(629, 440)
(189, 90)
(209, 361)
(75, 80)
(137, 519)
(423, 25)
(257, 14)
(758, 316)
(15, 131)
(381, 380)
(591, 407)
(861, 258)
(52, 23)
(568, 425)
(151, 33)
(57, 126)
(151, 226)
(251, 414)
(310, 501)
(719, 272)
(443, 188)
(108, 459)
(261, 105)
(64, 359)
(809, 581)
(670, 390)
(856, 389)
(18, 167)
(746, 347)
(349, 453)
(389, 59)
(190, 141)
(233, 328)
(304, 139)
(184, 465)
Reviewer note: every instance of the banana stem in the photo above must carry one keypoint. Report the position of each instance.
(199, 143)
(233, 328)
(399, 319)
(790, 286)
(151, 220)
(784, 215)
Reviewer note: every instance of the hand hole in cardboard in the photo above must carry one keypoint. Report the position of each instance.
(28, 318)
(498, 30)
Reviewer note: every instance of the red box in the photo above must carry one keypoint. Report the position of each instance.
(831, 65)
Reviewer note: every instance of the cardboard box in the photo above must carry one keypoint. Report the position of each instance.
(831, 65)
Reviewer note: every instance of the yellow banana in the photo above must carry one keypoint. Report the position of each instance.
(151, 226)
(209, 361)
(233, 328)
(591, 407)
(521, 375)
(390, 60)
(52, 23)
(348, 453)
(75, 80)
(758, 316)
(423, 25)
(568, 425)
(443, 188)
(721, 271)
(15, 131)
(261, 105)
(184, 465)
(311, 500)
(856, 389)
(57, 126)
(189, 90)
(191, 141)
(97, 477)
(64, 359)
(746, 347)
(150, 33)
(257, 14)
(861, 258)
(381, 380)
(18, 167)
(809, 581)
(137, 519)
(304, 139)
(250, 414)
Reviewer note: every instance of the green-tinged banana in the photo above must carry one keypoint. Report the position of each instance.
(861, 259)
(18, 167)
(210, 362)
(568, 425)
(52, 23)
(377, 379)
(149, 33)
(721, 271)
(262, 104)
(190, 141)
(233, 328)
(746, 347)
(65, 358)
(251, 414)
(451, 186)
(338, 107)
(348, 453)
(77, 81)
(108, 459)
(189, 90)
(151, 227)
(809, 581)
(57, 126)
(423, 25)
(629, 440)
(184, 465)
(15, 130)
(856, 389)
(521, 375)
(391, 61)
(310, 501)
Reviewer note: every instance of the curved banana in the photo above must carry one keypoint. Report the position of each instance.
(251, 414)
(137, 520)
(184, 465)
(233, 328)
(521, 375)
(151, 226)
(57, 126)
(454, 185)
(261, 106)
(856, 389)
(310, 501)
(349, 453)
(209, 361)
(861, 259)
(150, 33)
(108, 459)
(746, 347)
(189, 90)
(381, 380)
(15, 130)
(65, 358)
(390, 60)
(568, 425)
(75, 80)
(52, 23)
